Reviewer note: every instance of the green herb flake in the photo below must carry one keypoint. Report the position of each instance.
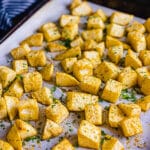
(18, 76)
(66, 43)
(103, 133)
(53, 89)
(128, 95)
(33, 138)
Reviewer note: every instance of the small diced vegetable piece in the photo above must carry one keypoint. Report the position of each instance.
(101, 14)
(112, 143)
(63, 145)
(47, 26)
(93, 113)
(136, 26)
(43, 96)
(14, 138)
(20, 52)
(47, 72)
(130, 109)
(137, 40)
(3, 108)
(90, 84)
(5, 146)
(20, 66)
(147, 24)
(51, 129)
(100, 47)
(78, 41)
(144, 103)
(81, 68)
(7, 75)
(69, 20)
(15, 89)
(145, 86)
(11, 105)
(24, 129)
(89, 135)
(121, 18)
(145, 57)
(75, 3)
(131, 126)
(115, 30)
(93, 57)
(128, 77)
(83, 9)
(32, 81)
(132, 60)
(126, 46)
(89, 44)
(57, 112)
(68, 63)
(28, 109)
(72, 52)
(1, 90)
(34, 40)
(56, 46)
(142, 73)
(76, 101)
(95, 34)
(115, 116)
(95, 22)
(64, 79)
(111, 69)
(115, 53)
(112, 91)
(36, 58)
(148, 41)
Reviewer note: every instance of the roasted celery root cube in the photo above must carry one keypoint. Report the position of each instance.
(68, 63)
(136, 26)
(100, 47)
(15, 89)
(72, 52)
(89, 44)
(78, 41)
(111, 41)
(3, 108)
(147, 24)
(115, 53)
(25, 130)
(130, 109)
(76, 101)
(75, 3)
(121, 18)
(56, 46)
(90, 84)
(128, 77)
(32, 81)
(36, 58)
(148, 41)
(64, 79)
(101, 14)
(142, 73)
(145, 86)
(89, 135)
(47, 72)
(20, 66)
(145, 57)
(93, 57)
(132, 60)
(111, 69)
(20, 52)
(5, 145)
(34, 40)
(14, 138)
(1, 90)
(115, 30)
(11, 105)
(115, 116)
(112, 143)
(95, 22)
(63, 145)
(83, 9)
(7, 75)
(93, 113)
(131, 126)
(57, 112)
(47, 26)
(95, 34)
(81, 68)
(69, 20)
(28, 109)
(112, 91)
(51, 129)
(126, 46)
(137, 40)
(144, 103)
(43, 96)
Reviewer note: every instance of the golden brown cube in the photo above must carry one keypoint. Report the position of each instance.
(5, 145)
(1, 90)
(100, 48)
(145, 86)
(28, 109)
(3, 108)
(148, 41)
(147, 24)
(145, 57)
(101, 14)
(78, 41)
(89, 44)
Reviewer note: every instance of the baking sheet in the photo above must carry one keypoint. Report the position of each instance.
(51, 12)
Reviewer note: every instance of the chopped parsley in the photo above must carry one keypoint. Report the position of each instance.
(66, 43)
(18, 76)
(104, 137)
(53, 89)
(128, 95)
(33, 138)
